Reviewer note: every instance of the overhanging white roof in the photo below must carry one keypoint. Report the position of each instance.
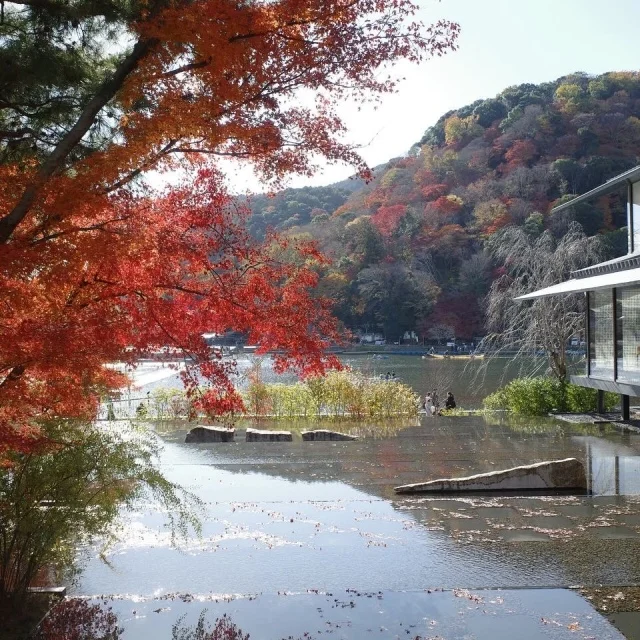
(603, 281)
(633, 175)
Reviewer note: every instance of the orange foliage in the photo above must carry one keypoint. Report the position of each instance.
(497, 224)
(118, 292)
(387, 219)
(93, 272)
(434, 191)
(446, 238)
(521, 153)
(448, 204)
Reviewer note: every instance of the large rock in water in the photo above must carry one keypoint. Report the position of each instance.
(258, 435)
(325, 434)
(567, 474)
(210, 434)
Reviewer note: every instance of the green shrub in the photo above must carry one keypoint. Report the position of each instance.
(497, 401)
(583, 399)
(528, 396)
(339, 394)
(540, 396)
(169, 403)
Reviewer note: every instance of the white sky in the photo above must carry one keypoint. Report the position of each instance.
(502, 43)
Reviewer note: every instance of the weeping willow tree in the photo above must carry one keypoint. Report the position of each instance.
(522, 328)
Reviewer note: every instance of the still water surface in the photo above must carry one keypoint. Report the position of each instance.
(300, 518)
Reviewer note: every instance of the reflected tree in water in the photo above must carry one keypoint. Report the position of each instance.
(77, 619)
(223, 629)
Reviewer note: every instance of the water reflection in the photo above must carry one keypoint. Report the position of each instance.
(297, 516)
(352, 613)
(433, 448)
(317, 518)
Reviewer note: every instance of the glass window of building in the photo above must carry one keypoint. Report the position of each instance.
(628, 334)
(635, 217)
(601, 347)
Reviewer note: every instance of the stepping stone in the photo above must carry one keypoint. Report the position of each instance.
(325, 434)
(258, 435)
(567, 474)
(210, 434)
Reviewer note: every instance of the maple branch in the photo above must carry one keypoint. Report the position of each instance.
(13, 375)
(99, 226)
(185, 350)
(214, 152)
(105, 93)
(290, 23)
(187, 67)
(143, 167)
(222, 294)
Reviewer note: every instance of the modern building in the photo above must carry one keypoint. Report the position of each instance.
(612, 291)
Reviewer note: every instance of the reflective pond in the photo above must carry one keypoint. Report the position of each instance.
(289, 523)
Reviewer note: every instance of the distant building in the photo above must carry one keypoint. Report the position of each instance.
(612, 291)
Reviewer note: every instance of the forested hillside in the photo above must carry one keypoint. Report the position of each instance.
(410, 250)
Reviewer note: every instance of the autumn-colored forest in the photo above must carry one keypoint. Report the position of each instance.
(412, 250)
(96, 266)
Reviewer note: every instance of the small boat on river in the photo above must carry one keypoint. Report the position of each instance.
(456, 356)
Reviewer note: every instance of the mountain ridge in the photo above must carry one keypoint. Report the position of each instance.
(410, 249)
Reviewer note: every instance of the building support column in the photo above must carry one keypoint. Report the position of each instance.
(624, 401)
(600, 403)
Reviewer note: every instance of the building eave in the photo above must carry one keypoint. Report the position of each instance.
(590, 283)
(633, 175)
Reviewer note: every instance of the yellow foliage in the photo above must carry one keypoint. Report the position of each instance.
(456, 200)
(390, 177)
(488, 212)
(570, 98)
(359, 220)
(457, 129)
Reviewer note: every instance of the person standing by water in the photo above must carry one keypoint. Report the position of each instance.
(450, 402)
(435, 399)
(428, 405)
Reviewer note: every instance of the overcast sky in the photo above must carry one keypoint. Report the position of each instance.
(502, 43)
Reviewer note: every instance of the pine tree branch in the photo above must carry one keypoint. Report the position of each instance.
(105, 93)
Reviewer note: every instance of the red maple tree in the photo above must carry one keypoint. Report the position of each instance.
(387, 218)
(93, 269)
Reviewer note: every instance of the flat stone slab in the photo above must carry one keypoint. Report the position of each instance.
(259, 435)
(56, 591)
(326, 434)
(567, 474)
(210, 434)
(580, 418)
